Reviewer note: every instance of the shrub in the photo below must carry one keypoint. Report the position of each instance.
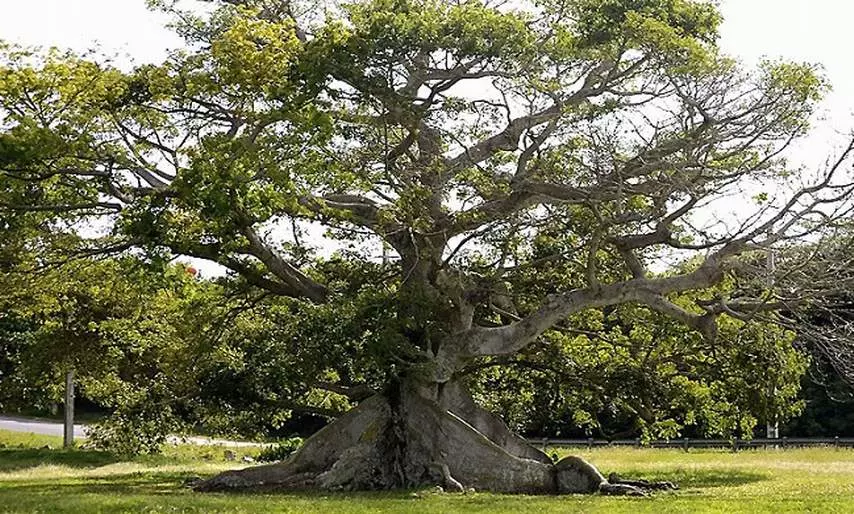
(280, 450)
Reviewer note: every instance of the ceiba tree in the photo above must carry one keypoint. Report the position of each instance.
(451, 137)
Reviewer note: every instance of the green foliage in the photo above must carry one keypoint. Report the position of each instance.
(281, 450)
(134, 430)
(165, 352)
(678, 32)
(631, 372)
(397, 28)
(103, 319)
(603, 21)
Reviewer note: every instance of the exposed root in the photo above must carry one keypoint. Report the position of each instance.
(644, 485)
(436, 435)
(576, 475)
(456, 399)
(412, 441)
(450, 481)
(320, 453)
(258, 478)
(610, 489)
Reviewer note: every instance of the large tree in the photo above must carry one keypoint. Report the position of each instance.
(514, 164)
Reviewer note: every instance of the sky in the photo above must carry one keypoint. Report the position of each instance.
(123, 27)
(816, 31)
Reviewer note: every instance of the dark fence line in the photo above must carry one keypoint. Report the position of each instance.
(687, 443)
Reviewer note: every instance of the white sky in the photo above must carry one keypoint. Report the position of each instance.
(817, 31)
(123, 27)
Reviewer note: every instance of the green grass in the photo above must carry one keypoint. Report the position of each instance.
(35, 479)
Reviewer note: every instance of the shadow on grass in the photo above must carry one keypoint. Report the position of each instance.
(700, 478)
(142, 482)
(171, 483)
(12, 459)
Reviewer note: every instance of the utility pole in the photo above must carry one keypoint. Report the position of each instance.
(68, 433)
(772, 426)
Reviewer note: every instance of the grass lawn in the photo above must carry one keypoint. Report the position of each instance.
(37, 479)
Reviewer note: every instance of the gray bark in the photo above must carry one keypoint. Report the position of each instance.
(407, 439)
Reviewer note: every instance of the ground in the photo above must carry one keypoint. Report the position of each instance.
(36, 479)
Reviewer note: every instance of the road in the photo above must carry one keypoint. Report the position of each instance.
(38, 426)
(47, 427)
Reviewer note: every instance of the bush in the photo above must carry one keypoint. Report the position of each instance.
(280, 450)
(133, 431)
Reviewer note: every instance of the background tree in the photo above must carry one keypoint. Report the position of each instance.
(457, 135)
(631, 372)
(116, 323)
(159, 351)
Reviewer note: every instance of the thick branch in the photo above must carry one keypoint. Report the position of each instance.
(515, 336)
(284, 270)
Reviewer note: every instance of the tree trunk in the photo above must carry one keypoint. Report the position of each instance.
(415, 435)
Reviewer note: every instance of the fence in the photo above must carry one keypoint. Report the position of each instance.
(688, 443)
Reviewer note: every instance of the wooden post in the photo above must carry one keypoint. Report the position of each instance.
(68, 433)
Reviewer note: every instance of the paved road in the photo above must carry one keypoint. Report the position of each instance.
(47, 427)
(37, 426)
